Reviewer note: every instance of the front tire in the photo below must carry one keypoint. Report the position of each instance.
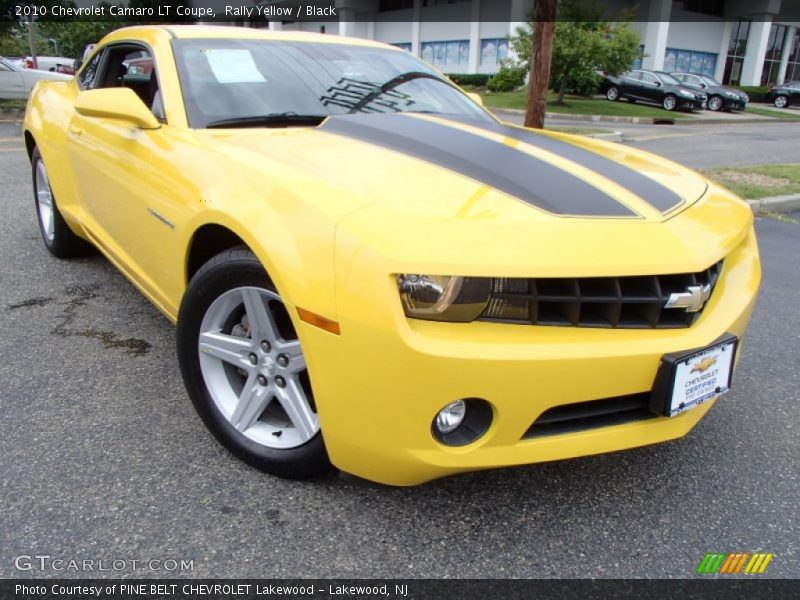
(715, 103)
(58, 238)
(612, 93)
(669, 102)
(245, 370)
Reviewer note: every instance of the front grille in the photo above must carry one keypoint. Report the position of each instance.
(613, 302)
(590, 415)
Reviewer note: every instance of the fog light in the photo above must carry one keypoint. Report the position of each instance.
(462, 422)
(451, 416)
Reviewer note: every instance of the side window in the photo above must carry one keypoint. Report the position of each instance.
(88, 75)
(133, 67)
(649, 78)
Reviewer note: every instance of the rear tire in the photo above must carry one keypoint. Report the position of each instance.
(612, 93)
(245, 371)
(58, 238)
(781, 101)
(670, 102)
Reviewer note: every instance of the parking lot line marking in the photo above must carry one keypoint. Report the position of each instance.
(10, 149)
(11, 139)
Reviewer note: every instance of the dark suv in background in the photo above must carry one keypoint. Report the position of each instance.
(719, 96)
(656, 87)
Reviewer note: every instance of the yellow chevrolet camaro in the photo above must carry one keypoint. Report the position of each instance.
(368, 270)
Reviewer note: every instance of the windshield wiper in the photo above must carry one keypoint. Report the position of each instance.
(390, 85)
(273, 120)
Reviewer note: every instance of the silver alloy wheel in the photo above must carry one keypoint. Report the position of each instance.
(44, 198)
(612, 93)
(781, 101)
(256, 377)
(715, 103)
(670, 102)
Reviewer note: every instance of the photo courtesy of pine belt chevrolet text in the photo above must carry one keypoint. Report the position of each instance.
(370, 272)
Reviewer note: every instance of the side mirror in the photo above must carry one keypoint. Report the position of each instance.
(477, 98)
(658, 84)
(116, 103)
(703, 85)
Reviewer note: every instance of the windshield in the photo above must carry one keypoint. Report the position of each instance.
(668, 79)
(227, 81)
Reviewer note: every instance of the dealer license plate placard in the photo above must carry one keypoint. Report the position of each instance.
(700, 376)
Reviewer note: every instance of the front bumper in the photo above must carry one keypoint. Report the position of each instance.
(380, 383)
(691, 103)
(733, 104)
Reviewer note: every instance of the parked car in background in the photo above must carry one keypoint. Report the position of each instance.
(51, 63)
(784, 95)
(654, 87)
(719, 96)
(16, 83)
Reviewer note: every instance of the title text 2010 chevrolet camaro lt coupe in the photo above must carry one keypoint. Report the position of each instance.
(368, 270)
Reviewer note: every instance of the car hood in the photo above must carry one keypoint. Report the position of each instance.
(466, 169)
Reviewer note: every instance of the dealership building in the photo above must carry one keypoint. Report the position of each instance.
(739, 42)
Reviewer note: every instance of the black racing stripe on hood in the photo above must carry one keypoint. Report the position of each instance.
(511, 171)
(657, 195)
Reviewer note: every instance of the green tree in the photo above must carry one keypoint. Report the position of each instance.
(583, 43)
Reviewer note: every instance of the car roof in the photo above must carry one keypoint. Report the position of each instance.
(238, 33)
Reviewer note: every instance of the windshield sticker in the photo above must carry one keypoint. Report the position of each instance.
(233, 66)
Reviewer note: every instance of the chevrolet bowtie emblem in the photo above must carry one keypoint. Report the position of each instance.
(704, 365)
(693, 299)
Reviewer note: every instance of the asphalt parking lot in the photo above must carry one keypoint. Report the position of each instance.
(102, 456)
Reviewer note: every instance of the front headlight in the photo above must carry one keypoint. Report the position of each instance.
(443, 297)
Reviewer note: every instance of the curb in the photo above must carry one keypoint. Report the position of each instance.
(643, 120)
(776, 204)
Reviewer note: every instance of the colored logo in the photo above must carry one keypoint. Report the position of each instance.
(705, 364)
(735, 563)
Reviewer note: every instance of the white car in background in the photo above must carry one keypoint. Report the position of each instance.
(60, 64)
(16, 83)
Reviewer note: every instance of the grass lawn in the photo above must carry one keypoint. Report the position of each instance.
(765, 112)
(760, 181)
(579, 105)
(7, 105)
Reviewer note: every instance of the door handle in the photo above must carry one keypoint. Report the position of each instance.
(75, 130)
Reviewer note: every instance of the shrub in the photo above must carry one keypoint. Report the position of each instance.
(507, 79)
(476, 79)
(756, 92)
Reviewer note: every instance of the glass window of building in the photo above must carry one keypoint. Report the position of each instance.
(706, 7)
(737, 46)
(451, 54)
(772, 59)
(793, 66)
(690, 61)
(493, 51)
